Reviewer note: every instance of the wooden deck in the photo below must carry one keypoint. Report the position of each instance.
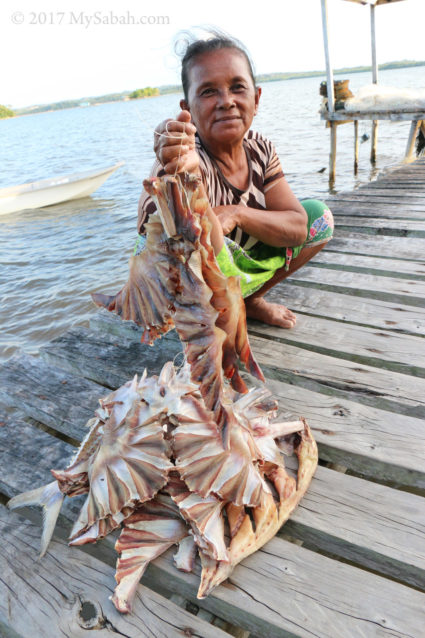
(350, 562)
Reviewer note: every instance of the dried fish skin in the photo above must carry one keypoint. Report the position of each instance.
(190, 457)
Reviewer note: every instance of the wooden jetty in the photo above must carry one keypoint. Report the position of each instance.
(351, 560)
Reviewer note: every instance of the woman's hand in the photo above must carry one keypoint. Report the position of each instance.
(228, 217)
(174, 145)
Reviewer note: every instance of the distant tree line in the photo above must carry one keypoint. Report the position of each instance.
(5, 112)
(274, 77)
(148, 91)
(176, 88)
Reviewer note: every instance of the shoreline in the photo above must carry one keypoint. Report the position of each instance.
(261, 78)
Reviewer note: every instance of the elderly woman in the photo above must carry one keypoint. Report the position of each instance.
(260, 231)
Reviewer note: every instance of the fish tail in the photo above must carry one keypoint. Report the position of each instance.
(50, 498)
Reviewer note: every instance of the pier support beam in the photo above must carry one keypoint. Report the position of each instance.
(356, 146)
(332, 154)
(374, 141)
(414, 128)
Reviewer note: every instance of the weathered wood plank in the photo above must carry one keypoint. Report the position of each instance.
(362, 210)
(380, 197)
(390, 451)
(368, 312)
(66, 593)
(377, 526)
(346, 516)
(27, 454)
(379, 246)
(392, 351)
(83, 349)
(377, 188)
(382, 452)
(339, 600)
(398, 352)
(49, 394)
(374, 265)
(267, 591)
(372, 226)
(405, 291)
(79, 347)
(373, 442)
(385, 389)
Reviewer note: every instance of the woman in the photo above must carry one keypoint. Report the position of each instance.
(261, 232)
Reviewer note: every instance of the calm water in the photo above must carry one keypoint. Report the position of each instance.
(52, 258)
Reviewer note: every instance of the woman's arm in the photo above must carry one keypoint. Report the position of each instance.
(283, 223)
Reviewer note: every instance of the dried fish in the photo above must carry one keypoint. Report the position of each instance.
(191, 457)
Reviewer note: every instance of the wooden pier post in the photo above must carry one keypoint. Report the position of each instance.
(332, 154)
(374, 136)
(414, 128)
(356, 146)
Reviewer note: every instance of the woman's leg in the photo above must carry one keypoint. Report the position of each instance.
(320, 230)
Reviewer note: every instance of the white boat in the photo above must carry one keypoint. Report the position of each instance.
(53, 190)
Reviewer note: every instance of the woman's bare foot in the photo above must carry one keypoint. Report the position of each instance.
(271, 313)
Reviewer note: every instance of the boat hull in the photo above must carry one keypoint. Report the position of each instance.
(53, 191)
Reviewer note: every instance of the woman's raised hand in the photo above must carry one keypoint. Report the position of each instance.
(174, 145)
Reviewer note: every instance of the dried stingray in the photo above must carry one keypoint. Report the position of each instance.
(190, 457)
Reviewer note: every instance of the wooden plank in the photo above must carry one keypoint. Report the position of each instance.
(345, 241)
(398, 352)
(264, 594)
(380, 452)
(405, 291)
(394, 116)
(374, 265)
(381, 197)
(372, 226)
(368, 312)
(381, 188)
(386, 185)
(401, 208)
(374, 525)
(376, 387)
(373, 442)
(363, 209)
(27, 454)
(82, 349)
(342, 426)
(301, 593)
(340, 513)
(66, 593)
(49, 395)
(78, 348)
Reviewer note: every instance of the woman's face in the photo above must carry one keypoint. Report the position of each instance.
(222, 99)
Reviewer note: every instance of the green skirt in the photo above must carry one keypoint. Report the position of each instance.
(258, 264)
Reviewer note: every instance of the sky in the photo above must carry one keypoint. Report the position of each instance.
(53, 51)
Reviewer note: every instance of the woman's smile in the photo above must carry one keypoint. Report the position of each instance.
(222, 99)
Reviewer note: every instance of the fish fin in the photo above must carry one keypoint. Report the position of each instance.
(50, 498)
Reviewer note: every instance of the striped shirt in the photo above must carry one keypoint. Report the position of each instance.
(264, 168)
